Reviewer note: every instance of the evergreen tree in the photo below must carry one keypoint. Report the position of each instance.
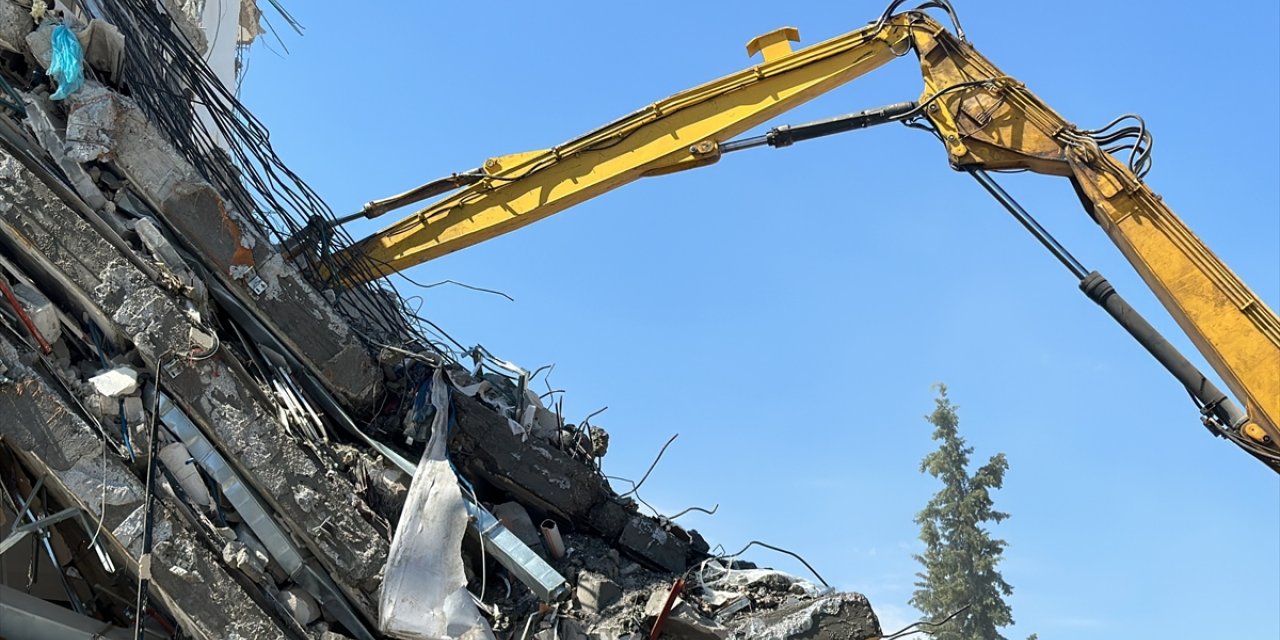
(960, 555)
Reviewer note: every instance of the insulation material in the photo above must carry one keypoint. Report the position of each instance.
(116, 382)
(424, 593)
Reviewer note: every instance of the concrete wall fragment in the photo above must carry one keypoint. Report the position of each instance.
(15, 24)
(104, 126)
(530, 469)
(838, 616)
(546, 478)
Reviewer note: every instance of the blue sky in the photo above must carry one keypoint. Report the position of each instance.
(787, 311)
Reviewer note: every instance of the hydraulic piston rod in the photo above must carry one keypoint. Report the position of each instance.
(1099, 290)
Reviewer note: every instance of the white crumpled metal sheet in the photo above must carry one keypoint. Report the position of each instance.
(424, 594)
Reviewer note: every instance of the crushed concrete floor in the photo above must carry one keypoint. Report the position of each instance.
(201, 437)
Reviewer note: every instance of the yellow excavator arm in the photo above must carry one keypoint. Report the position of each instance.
(991, 122)
(680, 132)
(987, 122)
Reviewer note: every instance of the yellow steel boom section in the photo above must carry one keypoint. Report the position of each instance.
(1002, 125)
(680, 132)
(986, 120)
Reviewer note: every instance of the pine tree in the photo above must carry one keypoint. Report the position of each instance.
(960, 555)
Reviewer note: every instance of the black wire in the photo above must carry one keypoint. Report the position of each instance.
(905, 631)
(757, 543)
(148, 505)
(636, 486)
(246, 170)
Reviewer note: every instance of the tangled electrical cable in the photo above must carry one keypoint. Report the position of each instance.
(231, 149)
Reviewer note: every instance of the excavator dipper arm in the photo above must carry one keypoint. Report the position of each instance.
(988, 121)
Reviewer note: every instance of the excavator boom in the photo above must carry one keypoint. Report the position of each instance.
(680, 132)
(986, 121)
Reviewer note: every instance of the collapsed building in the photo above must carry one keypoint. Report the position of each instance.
(203, 437)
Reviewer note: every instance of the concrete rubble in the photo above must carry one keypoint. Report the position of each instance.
(204, 436)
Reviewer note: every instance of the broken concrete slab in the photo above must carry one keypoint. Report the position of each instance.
(43, 314)
(46, 125)
(162, 250)
(104, 126)
(838, 616)
(64, 255)
(647, 540)
(301, 605)
(240, 556)
(15, 24)
(103, 47)
(595, 593)
(39, 43)
(515, 517)
(533, 471)
(609, 517)
(320, 505)
(544, 477)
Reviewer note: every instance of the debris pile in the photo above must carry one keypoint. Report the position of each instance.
(202, 437)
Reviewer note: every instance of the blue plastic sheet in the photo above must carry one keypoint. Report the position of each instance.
(67, 62)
